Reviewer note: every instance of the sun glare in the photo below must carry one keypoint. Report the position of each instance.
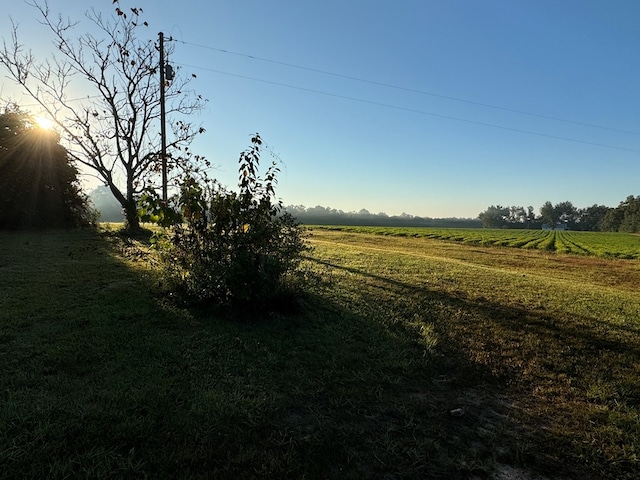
(44, 123)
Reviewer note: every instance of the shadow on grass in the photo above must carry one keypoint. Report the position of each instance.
(370, 379)
(101, 378)
(571, 383)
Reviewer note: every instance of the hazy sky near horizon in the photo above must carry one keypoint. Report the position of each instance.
(460, 104)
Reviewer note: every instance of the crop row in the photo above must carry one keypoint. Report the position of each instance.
(618, 245)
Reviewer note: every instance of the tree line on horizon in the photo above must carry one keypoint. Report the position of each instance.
(596, 218)
(320, 215)
(564, 215)
(111, 211)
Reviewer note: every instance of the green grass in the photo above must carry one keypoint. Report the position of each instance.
(608, 245)
(404, 358)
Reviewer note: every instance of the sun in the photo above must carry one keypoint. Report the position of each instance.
(44, 123)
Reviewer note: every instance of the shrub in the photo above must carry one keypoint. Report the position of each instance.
(224, 247)
(39, 185)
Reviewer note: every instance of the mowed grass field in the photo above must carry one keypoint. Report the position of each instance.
(600, 244)
(404, 357)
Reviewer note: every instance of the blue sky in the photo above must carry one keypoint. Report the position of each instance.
(361, 144)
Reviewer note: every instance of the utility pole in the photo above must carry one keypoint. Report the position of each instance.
(163, 128)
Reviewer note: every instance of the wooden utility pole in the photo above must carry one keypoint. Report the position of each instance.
(163, 129)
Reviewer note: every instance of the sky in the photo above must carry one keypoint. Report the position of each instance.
(430, 108)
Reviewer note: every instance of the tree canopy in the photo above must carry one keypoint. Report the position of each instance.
(623, 218)
(38, 183)
(115, 130)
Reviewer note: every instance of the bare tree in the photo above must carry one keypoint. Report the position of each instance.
(115, 129)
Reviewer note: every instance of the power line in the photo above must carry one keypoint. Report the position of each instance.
(412, 110)
(421, 92)
(88, 97)
(396, 107)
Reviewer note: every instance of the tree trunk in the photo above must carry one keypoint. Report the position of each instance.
(129, 207)
(131, 220)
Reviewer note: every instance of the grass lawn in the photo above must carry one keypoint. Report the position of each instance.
(404, 358)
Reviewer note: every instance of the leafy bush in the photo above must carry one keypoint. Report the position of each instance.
(229, 248)
(39, 185)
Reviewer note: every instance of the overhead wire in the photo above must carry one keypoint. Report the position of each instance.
(87, 97)
(397, 107)
(411, 90)
(412, 110)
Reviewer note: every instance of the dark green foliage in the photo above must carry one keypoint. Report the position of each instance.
(624, 218)
(494, 217)
(591, 218)
(320, 215)
(597, 218)
(38, 184)
(228, 248)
